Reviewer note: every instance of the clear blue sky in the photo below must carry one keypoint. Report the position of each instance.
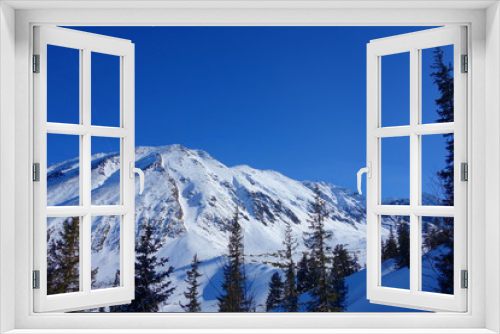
(291, 99)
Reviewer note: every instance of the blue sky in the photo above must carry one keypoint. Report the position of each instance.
(291, 99)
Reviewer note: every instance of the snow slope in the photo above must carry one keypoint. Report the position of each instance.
(190, 197)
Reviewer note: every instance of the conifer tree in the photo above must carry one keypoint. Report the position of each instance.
(290, 295)
(403, 234)
(117, 278)
(443, 78)
(63, 259)
(343, 265)
(235, 297)
(390, 249)
(152, 287)
(340, 269)
(322, 293)
(191, 294)
(304, 282)
(275, 295)
(355, 266)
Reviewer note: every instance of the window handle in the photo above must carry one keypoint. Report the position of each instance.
(368, 171)
(139, 171)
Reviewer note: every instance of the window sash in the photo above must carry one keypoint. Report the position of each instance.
(413, 43)
(86, 297)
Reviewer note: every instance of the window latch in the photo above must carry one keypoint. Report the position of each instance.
(368, 171)
(139, 171)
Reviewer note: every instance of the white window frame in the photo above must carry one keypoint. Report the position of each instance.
(483, 20)
(414, 43)
(85, 43)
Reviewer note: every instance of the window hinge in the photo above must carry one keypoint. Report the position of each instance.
(36, 63)
(465, 279)
(465, 64)
(464, 171)
(36, 172)
(36, 279)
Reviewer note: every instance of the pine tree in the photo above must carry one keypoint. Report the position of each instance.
(152, 287)
(390, 248)
(403, 233)
(443, 78)
(235, 297)
(290, 295)
(322, 293)
(117, 278)
(355, 266)
(275, 295)
(343, 265)
(304, 282)
(191, 294)
(63, 259)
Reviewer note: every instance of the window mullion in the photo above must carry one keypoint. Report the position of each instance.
(85, 170)
(414, 171)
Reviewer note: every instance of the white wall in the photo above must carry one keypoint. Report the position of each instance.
(7, 160)
(492, 164)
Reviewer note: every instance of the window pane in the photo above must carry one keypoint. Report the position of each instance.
(106, 171)
(437, 169)
(437, 254)
(63, 85)
(437, 84)
(105, 90)
(395, 254)
(105, 252)
(63, 170)
(395, 171)
(395, 94)
(63, 255)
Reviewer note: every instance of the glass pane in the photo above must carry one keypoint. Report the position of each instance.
(105, 259)
(395, 170)
(395, 91)
(437, 169)
(63, 85)
(395, 255)
(105, 90)
(105, 171)
(437, 84)
(63, 255)
(63, 170)
(437, 254)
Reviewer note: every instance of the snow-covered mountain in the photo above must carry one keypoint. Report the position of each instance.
(190, 197)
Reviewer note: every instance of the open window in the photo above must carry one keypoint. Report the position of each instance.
(409, 138)
(69, 67)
